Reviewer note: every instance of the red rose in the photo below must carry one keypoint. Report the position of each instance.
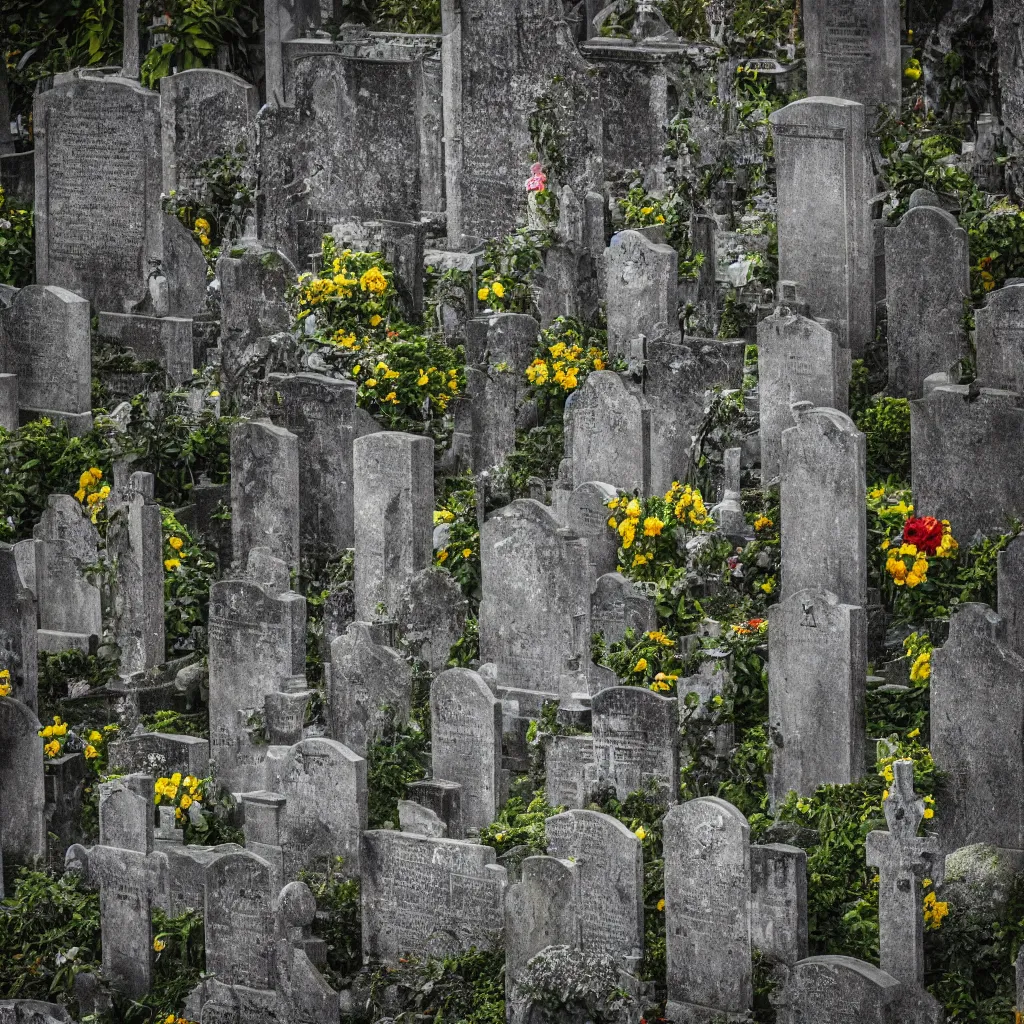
(924, 532)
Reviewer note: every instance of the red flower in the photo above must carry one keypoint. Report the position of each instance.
(924, 532)
(755, 623)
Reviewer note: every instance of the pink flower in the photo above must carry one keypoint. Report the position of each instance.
(537, 180)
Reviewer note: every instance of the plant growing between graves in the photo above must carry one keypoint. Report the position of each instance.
(17, 243)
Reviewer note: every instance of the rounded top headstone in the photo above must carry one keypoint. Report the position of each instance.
(297, 905)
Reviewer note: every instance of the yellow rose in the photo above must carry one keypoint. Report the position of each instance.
(466, 552)
(499, 289)
(176, 542)
(641, 665)
(172, 563)
(375, 319)
(483, 294)
(91, 752)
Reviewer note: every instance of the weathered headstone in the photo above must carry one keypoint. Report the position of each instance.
(587, 516)
(45, 340)
(641, 278)
(69, 605)
(18, 651)
(265, 475)
(428, 897)
(999, 338)
(257, 638)
(1009, 35)
(963, 445)
(135, 549)
(1010, 581)
(609, 880)
(319, 411)
(981, 798)
(325, 785)
(927, 284)
(166, 340)
(617, 605)
(778, 902)
(432, 615)
(465, 734)
(707, 911)
(370, 684)
(22, 787)
(798, 360)
(535, 613)
(570, 772)
(636, 740)
(817, 668)
(394, 509)
(97, 161)
(610, 431)
(825, 989)
(826, 245)
(160, 754)
(824, 523)
(853, 51)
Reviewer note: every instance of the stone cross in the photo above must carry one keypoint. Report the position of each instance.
(902, 859)
(130, 59)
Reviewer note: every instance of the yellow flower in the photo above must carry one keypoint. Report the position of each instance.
(641, 665)
(908, 549)
(499, 289)
(186, 802)
(484, 294)
(922, 668)
(646, 210)
(659, 685)
(158, 946)
(929, 813)
(466, 552)
(391, 397)
(913, 734)
(423, 380)
(640, 833)
(172, 563)
(877, 493)
(176, 542)
(371, 383)
(453, 385)
(202, 224)
(91, 752)
(661, 904)
(768, 586)
(79, 495)
(60, 730)
(442, 554)
(5, 673)
(613, 522)
(204, 239)
(5, 689)
(761, 522)
(85, 480)
(633, 509)
(51, 749)
(885, 545)
(215, 394)
(375, 319)
(373, 281)
(913, 580)
(96, 473)
(652, 526)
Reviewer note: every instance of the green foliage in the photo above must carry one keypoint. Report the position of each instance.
(538, 452)
(461, 555)
(17, 243)
(338, 919)
(886, 422)
(400, 756)
(466, 649)
(189, 572)
(520, 824)
(413, 16)
(513, 262)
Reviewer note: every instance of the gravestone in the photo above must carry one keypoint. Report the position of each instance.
(963, 445)
(534, 618)
(540, 911)
(166, 340)
(370, 684)
(428, 897)
(394, 510)
(610, 433)
(903, 859)
(636, 741)
(160, 754)
(826, 989)
(325, 786)
(135, 548)
(18, 652)
(319, 411)
(826, 246)
(265, 475)
(609, 880)
(927, 284)
(618, 605)
(432, 614)
(69, 605)
(587, 516)
(204, 113)
(853, 51)
(263, 827)
(131, 877)
(999, 338)
(798, 360)
(707, 912)
(1009, 36)
(570, 772)
(1010, 581)
(22, 787)
(285, 20)
(817, 666)
(824, 524)
(981, 797)
(45, 335)
(257, 638)
(678, 380)
(97, 159)
(778, 902)
(641, 282)
(465, 735)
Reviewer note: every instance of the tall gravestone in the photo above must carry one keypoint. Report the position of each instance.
(45, 340)
(428, 897)
(707, 912)
(610, 431)
(257, 639)
(798, 360)
(778, 902)
(927, 283)
(981, 798)
(824, 523)
(853, 51)
(98, 223)
(394, 509)
(609, 880)
(320, 412)
(642, 286)
(963, 445)
(265, 511)
(22, 787)
(432, 613)
(135, 548)
(999, 338)
(817, 668)
(18, 647)
(535, 613)
(465, 736)
(826, 246)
